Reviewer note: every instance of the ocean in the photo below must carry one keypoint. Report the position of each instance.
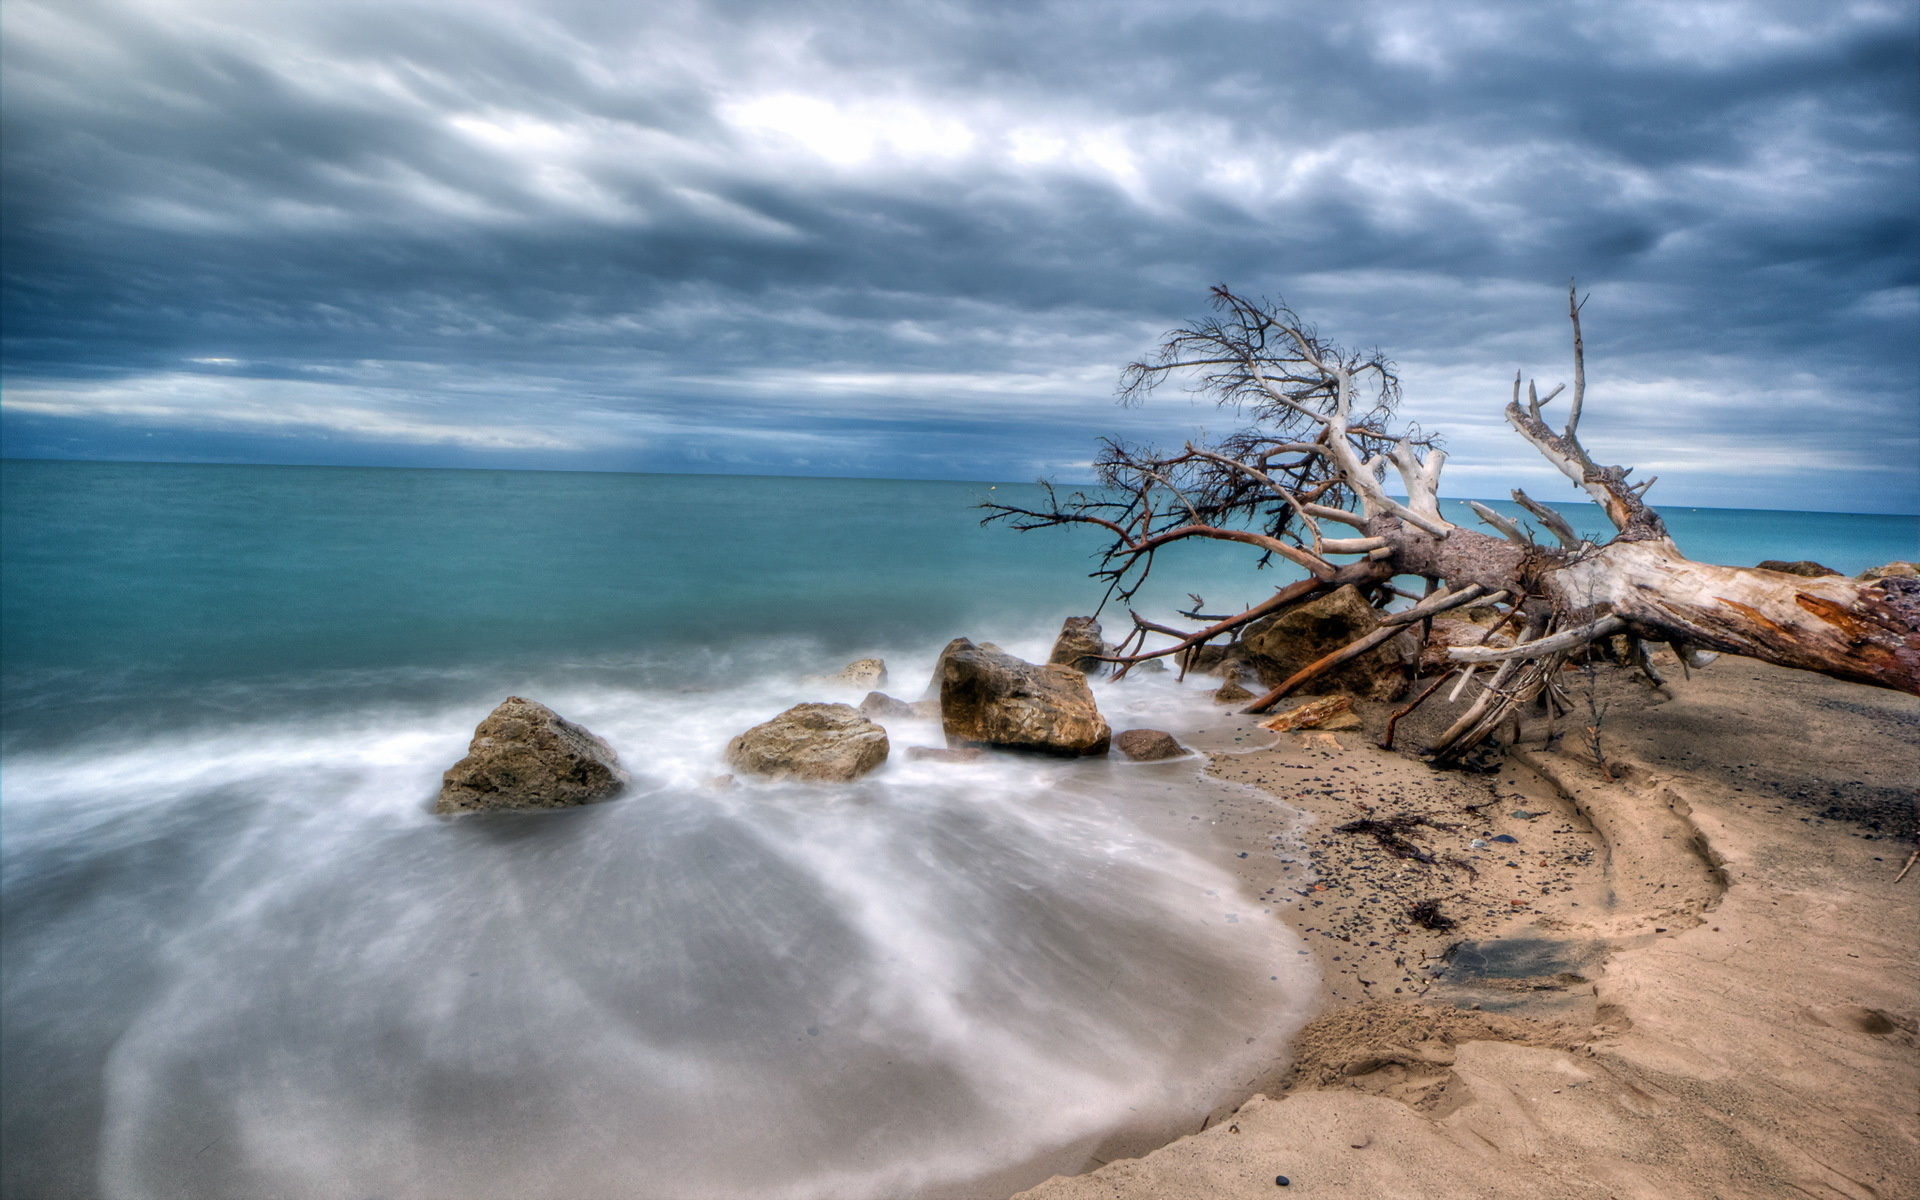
(242, 959)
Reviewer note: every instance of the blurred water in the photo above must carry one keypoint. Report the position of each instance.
(243, 960)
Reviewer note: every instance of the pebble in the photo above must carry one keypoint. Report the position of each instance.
(1281, 1181)
(1505, 837)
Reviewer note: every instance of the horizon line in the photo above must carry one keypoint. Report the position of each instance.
(135, 462)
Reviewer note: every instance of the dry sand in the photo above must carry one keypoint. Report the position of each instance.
(1696, 980)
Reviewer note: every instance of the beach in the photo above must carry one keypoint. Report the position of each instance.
(1694, 980)
(244, 957)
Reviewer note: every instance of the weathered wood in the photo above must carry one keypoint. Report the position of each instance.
(1318, 454)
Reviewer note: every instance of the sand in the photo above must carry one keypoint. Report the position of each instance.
(1697, 979)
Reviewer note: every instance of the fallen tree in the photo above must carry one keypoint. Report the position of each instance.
(1305, 482)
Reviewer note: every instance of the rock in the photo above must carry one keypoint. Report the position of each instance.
(880, 706)
(1482, 615)
(940, 668)
(1328, 712)
(1148, 745)
(1227, 662)
(1231, 693)
(1806, 567)
(865, 673)
(1283, 643)
(828, 742)
(944, 754)
(525, 755)
(991, 698)
(1078, 645)
(1892, 570)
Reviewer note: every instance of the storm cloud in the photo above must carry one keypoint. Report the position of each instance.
(920, 239)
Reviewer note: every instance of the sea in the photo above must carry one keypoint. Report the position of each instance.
(240, 957)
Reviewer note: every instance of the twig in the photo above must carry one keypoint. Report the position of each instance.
(1394, 720)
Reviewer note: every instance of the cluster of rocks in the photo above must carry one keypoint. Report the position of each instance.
(524, 755)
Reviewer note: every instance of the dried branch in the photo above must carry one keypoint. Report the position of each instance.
(1555, 523)
(1566, 639)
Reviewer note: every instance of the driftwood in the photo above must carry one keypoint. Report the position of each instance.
(1305, 482)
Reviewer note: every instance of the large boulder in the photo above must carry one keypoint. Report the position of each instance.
(525, 755)
(831, 743)
(1280, 645)
(940, 666)
(1079, 646)
(990, 698)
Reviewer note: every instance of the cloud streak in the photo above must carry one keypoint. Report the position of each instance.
(927, 235)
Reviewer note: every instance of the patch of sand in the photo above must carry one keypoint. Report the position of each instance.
(1695, 980)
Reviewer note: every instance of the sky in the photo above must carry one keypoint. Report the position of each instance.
(920, 240)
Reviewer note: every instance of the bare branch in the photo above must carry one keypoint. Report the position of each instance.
(1574, 306)
(1507, 528)
(1554, 522)
(1566, 639)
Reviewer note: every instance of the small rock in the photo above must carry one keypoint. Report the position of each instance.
(880, 706)
(1524, 815)
(1314, 714)
(1505, 837)
(720, 783)
(827, 742)
(1805, 567)
(1231, 692)
(864, 673)
(1281, 1181)
(943, 754)
(1148, 745)
(525, 755)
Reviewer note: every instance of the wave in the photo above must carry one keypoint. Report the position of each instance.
(889, 988)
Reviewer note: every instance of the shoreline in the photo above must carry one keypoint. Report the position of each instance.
(1695, 980)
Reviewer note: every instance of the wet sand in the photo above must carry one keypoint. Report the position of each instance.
(1696, 979)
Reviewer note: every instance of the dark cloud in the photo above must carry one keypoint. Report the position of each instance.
(919, 239)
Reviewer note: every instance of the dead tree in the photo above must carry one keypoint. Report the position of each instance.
(1305, 482)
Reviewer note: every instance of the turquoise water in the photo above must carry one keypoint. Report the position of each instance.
(242, 959)
(129, 581)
